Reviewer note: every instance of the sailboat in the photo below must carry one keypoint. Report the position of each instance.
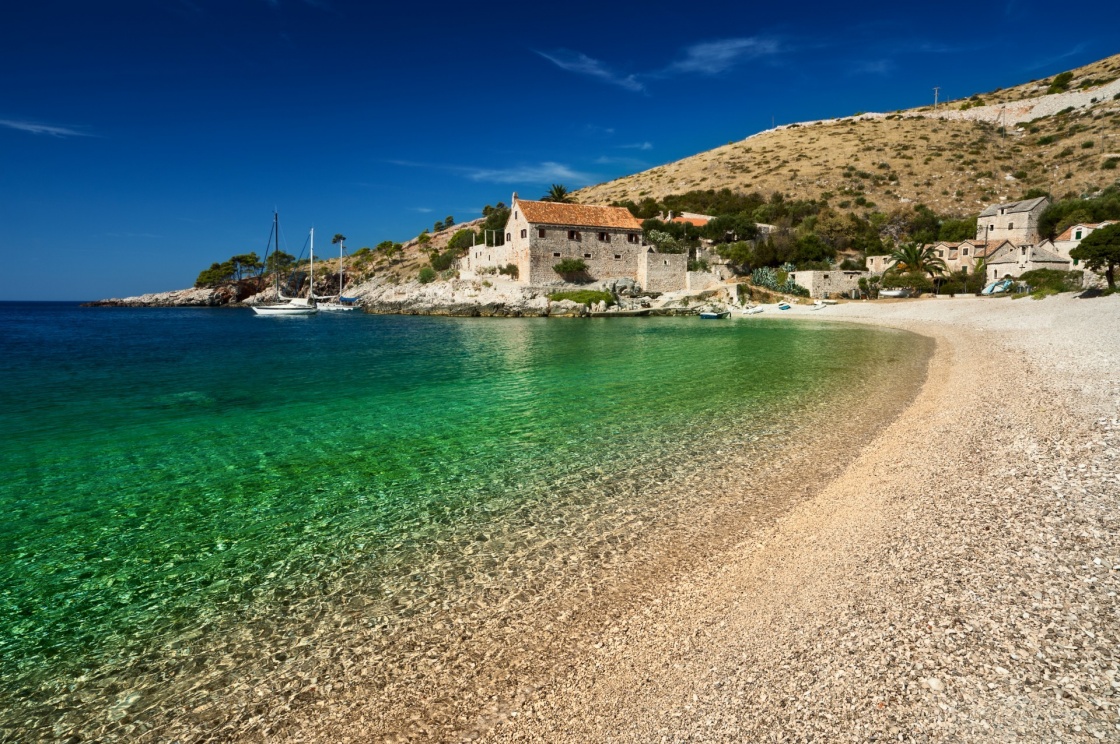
(294, 305)
(343, 304)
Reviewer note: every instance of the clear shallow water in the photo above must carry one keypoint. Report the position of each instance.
(172, 478)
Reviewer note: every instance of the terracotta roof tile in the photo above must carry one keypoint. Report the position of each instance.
(1068, 234)
(578, 215)
(698, 221)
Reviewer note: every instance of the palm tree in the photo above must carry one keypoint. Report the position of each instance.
(916, 259)
(558, 193)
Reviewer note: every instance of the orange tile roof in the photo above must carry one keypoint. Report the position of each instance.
(578, 215)
(698, 221)
(1068, 234)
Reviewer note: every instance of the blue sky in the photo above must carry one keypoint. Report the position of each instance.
(140, 141)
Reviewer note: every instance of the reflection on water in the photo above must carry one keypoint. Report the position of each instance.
(213, 514)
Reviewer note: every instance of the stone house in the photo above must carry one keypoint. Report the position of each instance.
(1015, 260)
(823, 284)
(538, 235)
(1014, 221)
(1073, 236)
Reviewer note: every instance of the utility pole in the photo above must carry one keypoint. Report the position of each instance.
(936, 89)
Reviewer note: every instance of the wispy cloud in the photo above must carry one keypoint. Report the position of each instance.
(714, 57)
(581, 64)
(36, 128)
(622, 161)
(1057, 58)
(873, 67)
(594, 130)
(423, 210)
(638, 146)
(546, 172)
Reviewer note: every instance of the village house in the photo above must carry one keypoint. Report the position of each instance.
(1073, 236)
(1014, 221)
(1012, 261)
(831, 283)
(538, 235)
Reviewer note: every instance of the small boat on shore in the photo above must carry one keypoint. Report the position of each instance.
(714, 315)
(753, 310)
(901, 292)
(783, 305)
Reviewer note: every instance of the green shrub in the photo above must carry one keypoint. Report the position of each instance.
(1110, 164)
(569, 267)
(1060, 82)
(1051, 281)
(917, 282)
(443, 261)
(584, 296)
(1047, 140)
(951, 288)
(1086, 144)
(510, 270)
(426, 275)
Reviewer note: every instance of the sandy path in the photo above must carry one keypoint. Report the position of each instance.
(956, 583)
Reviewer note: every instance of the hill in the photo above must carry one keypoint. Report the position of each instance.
(1060, 135)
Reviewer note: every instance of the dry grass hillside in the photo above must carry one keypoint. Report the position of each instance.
(966, 154)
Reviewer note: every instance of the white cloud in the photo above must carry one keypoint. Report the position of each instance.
(546, 172)
(35, 128)
(638, 146)
(581, 64)
(423, 210)
(873, 67)
(713, 57)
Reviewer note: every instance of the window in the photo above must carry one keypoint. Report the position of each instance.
(540, 233)
(1010, 225)
(1023, 250)
(631, 238)
(826, 276)
(574, 235)
(618, 256)
(587, 255)
(1075, 261)
(524, 233)
(604, 237)
(509, 236)
(964, 251)
(964, 269)
(666, 262)
(556, 255)
(1077, 235)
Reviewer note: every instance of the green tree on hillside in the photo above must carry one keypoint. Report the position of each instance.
(216, 275)
(1101, 249)
(279, 261)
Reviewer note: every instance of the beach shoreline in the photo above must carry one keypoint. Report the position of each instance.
(957, 582)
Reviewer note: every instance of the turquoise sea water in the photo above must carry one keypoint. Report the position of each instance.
(171, 477)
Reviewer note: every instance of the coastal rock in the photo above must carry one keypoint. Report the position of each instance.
(467, 298)
(194, 297)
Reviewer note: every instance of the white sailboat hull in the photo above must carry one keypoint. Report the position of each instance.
(330, 307)
(287, 309)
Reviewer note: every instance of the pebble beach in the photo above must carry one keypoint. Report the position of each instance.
(957, 582)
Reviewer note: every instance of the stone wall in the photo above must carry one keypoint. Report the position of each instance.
(662, 272)
(821, 284)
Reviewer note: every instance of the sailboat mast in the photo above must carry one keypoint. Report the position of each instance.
(276, 236)
(311, 289)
